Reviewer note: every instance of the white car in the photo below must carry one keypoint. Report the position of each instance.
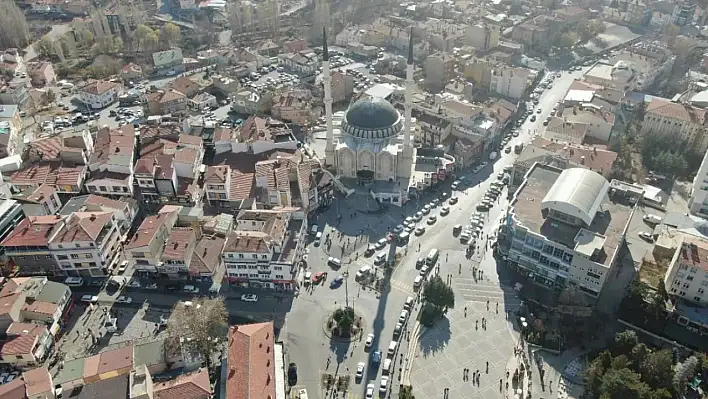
(418, 216)
(249, 298)
(432, 219)
(444, 211)
(369, 340)
(370, 391)
(89, 298)
(152, 286)
(134, 284)
(420, 231)
(124, 299)
(646, 236)
(360, 370)
(384, 385)
(191, 289)
(381, 243)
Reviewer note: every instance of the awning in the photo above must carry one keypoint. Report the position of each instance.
(54, 329)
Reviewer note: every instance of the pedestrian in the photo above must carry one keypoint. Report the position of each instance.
(465, 311)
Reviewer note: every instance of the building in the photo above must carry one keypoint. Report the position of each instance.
(32, 384)
(684, 12)
(17, 95)
(144, 250)
(680, 121)
(258, 135)
(439, 70)
(685, 278)
(10, 216)
(124, 209)
(698, 203)
(227, 188)
(86, 244)
(252, 102)
(342, 87)
(27, 246)
(203, 101)
(294, 105)
(131, 72)
(39, 200)
(482, 37)
(41, 73)
(44, 302)
(369, 146)
(111, 163)
(563, 230)
(264, 249)
(562, 156)
(256, 362)
(509, 82)
(186, 86)
(169, 101)
(99, 94)
(304, 62)
(168, 62)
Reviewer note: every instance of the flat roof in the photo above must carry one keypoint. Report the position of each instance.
(608, 224)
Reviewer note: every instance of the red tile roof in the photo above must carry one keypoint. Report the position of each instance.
(241, 186)
(207, 255)
(99, 87)
(108, 361)
(55, 173)
(32, 231)
(178, 243)
(37, 381)
(18, 345)
(251, 362)
(83, 226)
(14, 389)
(41, 307)
(216, 174)
(26, 329)
(194, 385)
(147, 231)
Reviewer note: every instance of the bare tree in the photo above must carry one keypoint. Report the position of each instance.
(14, 31)
(202, 323)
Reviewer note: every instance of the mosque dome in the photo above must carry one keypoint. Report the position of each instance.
(372, 118)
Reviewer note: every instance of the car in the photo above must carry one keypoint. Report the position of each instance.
(444, 211)
(646, 236)
(651, 218)
(370, 250)
(424, 270)
(409, 220)
(426, 209)
(3, 377)
(435, 203)
(369, 341)
(538, 111)
(482, 207)
(410, 228)
(399, 229)
(418, 216)
(403, 317)
(452, 201)
(336, 282)
(151, 286)
(420, 231)
(292, 374)
(380, 258)
(376, 357)
(134, 284)
(124, 299)
(419, 263)
(360, 370)
(483, 164)
(122, 267)
(432, 219)
(249, 298)
(381, 243)
(191, 289)
(170, 73)
(384, 385)
(370, 391)
(89, 298)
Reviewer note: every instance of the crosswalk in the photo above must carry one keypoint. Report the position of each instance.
(484, 291)
(404, 287)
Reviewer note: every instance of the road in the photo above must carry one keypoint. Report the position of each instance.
(305, 341)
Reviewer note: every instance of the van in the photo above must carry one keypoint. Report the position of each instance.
(404, 237)
(74, 281)
(318, 238)
(392, 348)
(334, 262)
(417, 282)
(432, 257)
(409, 303)
(380, 258)
(387, 366)
(314, 229)
(652, 219)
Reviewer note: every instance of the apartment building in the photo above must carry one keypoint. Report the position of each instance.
(258, 135)
(680, 121)
(27, 246)
(294, 105)
(124, 210)
(687, 274)
(509, 82)
(32, 384)
(145, 247)
(41, 73)
(43, 301)
(87, 244)
(563, 230)
(111, 164)
(252, 102)
(168, 61)
(482, 36)
(99, 94)
(698, 203)
(264, 249)
(439, 70)
(177, 255)
(169, 101)
(39, 200)
(10, 216)
(227, 188)
(304, 62)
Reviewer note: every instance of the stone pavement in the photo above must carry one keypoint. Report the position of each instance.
(458, 342)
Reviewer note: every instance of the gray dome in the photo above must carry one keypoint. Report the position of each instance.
(372, 118)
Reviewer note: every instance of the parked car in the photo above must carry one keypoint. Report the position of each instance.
(360, 371)
(191, 289)
(124, 299)
(89, 298)
(249, 298)
(369, 341)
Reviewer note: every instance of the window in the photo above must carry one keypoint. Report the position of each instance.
(92, 264)
(693, 270)
(102, 188)
(264, 256)
(117, 188)
(74, 256)
(548, 249)
(544, 260)
(567, 258)
(64, 257)
(689, 278)
(535, 255)
(255, 256)
(240, 256)
(557, 252)
(701, 291)
(697, 298)
(77, 245)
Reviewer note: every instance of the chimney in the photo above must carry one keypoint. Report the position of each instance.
(93, 217)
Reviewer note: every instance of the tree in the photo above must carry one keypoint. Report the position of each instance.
(623, 383)
(625, 341)
(671, 31)
(683, 373)
(568, 39)
(344, 319)
(151, 42)
(49, 96)
(44, 47)
(170, 35)
(14, 31)
(202, 324)
(657, 369)
(86, 37)
(406, 392)
(141, 34)
(437, 293)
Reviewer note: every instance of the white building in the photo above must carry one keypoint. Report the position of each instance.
(698, 203)
(304, 62)
(99, 94)
(87, 244)
(680, 121)
(687, 275)
(144, 249)
(264, 249)
(509, 82)
(564, 230)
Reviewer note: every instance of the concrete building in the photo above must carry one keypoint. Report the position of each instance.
(439, 70)
(681, 121)
(111, 163)
(687, 274)
(698, 203)
(99, 94)
(145, 247)
(41, 73)
(124, 209)
(264, 249)
(294, 105)
(10, 216)
(251, 102)
(482, 37)
(27, 246)
(164, 102)
(509, 82)
(304, 62)
(563, 229)
(257, 135)
(168, 62)
(39, 200)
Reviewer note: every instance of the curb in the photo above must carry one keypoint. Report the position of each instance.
(338, 339)
(412, 347)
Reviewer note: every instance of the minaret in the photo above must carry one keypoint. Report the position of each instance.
(409, 97)
(327, 81)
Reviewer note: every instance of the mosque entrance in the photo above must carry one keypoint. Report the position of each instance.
(365, 177)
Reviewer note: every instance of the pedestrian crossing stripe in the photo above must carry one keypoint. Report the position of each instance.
(408, 288)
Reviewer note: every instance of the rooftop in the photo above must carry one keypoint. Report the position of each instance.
(609, 221)
(192, 385)
(207, 255)
(546, 151)
(32, 231)
(112, 388)
(694, 252)
(251, 362)
(178, 243)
